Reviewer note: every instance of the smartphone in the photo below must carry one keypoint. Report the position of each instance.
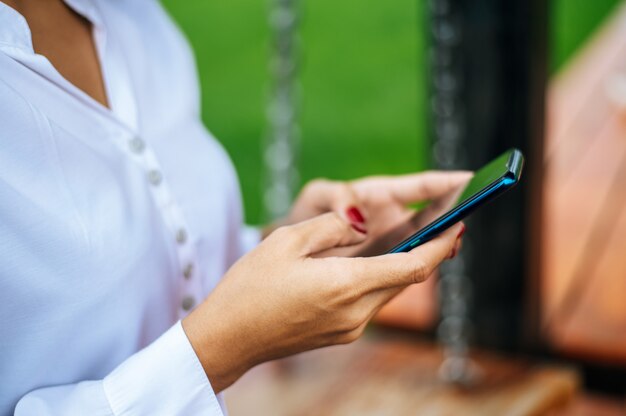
(488, 183)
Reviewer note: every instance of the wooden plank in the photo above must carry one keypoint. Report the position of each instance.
(397, 377)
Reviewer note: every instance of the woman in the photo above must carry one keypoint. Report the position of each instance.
(120, 215)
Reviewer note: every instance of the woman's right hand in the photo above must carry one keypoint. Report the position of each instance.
(280, 299)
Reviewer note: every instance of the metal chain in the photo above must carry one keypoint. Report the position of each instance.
(281, 146)
(448, 123)
(282, 142)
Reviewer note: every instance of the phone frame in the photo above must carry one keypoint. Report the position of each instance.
(510, 178)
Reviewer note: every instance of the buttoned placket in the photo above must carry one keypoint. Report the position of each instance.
(122, 131)
(124, 106)
(173, 217)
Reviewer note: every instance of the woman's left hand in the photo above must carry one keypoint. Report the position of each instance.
(378, 206)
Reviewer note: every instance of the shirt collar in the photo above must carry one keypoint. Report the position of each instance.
(14, 30)
(87, 9)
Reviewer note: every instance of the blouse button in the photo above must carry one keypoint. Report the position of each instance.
(188, 303)
(181, 236)
(136, 145)
(155, 177)
(188, 272)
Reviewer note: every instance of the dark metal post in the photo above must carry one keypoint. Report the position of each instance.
(488, 76)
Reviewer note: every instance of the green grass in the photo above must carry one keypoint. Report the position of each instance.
(362, 73)
(363, 77)
(363, 108)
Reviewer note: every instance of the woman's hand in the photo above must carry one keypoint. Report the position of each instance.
(280, 299)
(378, 205)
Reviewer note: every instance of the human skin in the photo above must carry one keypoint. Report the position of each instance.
(379, 205)
(302, 288)
(280, 299)
(306, 285)
(64, 37)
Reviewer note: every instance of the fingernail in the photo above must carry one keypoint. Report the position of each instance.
(461, 232)
(359, 228)
(355, 215)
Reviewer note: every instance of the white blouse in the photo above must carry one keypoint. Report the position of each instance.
(114, 223)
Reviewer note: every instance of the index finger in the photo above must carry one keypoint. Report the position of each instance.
(403, 269)
(424, 186)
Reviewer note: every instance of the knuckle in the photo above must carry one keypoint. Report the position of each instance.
(419, 271)
(339, 221)
(280, 233)
(316, 185)
(339, 285)
(338, 224)
(297, 239)
(348, 192)
(342, 288)
(351, 321)
(344, 187)
(287, 235)
(351, 336)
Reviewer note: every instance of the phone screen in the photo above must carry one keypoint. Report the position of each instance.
(486, 184)
(484, 177)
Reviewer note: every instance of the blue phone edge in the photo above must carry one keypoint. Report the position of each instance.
(509, 179)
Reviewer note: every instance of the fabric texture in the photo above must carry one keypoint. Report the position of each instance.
(115, 223)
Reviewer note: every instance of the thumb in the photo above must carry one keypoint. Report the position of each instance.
(323, 232)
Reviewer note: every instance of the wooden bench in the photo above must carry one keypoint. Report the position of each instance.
(379, 375)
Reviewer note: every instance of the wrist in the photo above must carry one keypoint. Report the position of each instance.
(222, 359)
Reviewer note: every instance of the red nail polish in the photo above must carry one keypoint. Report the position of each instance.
(359, 228)
(461, 232)
(355, 215)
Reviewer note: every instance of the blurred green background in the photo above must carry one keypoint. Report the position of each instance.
(363, 81)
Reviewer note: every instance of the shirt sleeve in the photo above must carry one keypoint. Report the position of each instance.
(165, 378)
